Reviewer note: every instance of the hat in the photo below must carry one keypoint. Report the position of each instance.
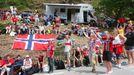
(27, 56)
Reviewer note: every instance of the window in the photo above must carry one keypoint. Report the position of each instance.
(77, 10)
(62, 10)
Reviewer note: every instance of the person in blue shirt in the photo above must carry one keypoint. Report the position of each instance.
(17, 65)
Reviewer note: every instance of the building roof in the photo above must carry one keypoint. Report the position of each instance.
(76, 5)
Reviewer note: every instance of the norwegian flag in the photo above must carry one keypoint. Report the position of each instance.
(32, 42)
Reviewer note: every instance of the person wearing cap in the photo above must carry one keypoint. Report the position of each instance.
(50, 54)
(27, 64)
(67, 49)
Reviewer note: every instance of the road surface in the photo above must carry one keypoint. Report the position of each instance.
(125, 70)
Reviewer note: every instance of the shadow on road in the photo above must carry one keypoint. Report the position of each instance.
(90, 72)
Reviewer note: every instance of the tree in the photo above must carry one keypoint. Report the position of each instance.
(116, 8)
(72, 1)
(18, 3)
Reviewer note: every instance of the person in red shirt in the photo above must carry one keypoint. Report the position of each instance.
(7, 66)
(50, 54)
(85, 55)
(14, 19)
(57, 23)
(107, 51)
(40, 61)
(2, 63)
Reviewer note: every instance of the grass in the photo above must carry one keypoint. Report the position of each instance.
(6, 43)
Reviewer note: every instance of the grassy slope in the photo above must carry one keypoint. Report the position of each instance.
(6, 45)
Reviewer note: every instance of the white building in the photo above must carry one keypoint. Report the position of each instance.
(70, 12)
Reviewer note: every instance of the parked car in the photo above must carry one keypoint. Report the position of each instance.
(28, 14)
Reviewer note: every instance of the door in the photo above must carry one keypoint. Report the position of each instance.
(85, 16)
(69, 15)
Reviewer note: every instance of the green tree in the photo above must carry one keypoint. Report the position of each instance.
(72, 1)
(115, 8)
(18, 3)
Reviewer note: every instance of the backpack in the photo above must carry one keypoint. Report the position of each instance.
(59, 64)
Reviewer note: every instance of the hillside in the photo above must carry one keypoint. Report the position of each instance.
(34, 4)
(6, 42)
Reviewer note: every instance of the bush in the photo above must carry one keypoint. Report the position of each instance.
(2, 26)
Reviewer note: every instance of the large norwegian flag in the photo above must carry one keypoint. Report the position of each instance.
(32, 42)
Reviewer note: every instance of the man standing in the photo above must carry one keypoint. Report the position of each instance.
(68, 45)
(50, 54)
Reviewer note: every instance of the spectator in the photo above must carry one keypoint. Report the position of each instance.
(8, 29)
(50, 54)
(129, 45)
(31, 29)
(77, 57)
(14, 19)
(23, 29)
(2, 63)
(68, 45)
(86, 61)
(42, 29)
(118, 43)
(40, 62)
(8, 65)
(57, 22)
(107, 52)
(17, 65)
(36, 19)
(121, 29)
(92, 50)
(27, 65)
(45, 20)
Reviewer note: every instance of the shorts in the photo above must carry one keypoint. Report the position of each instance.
(129, 48)
(67, 55)
(107, 56)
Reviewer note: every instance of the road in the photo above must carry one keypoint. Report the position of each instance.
(125, 70)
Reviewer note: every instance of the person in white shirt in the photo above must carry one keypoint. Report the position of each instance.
(118, 43)
(27, 64)
(68, 46)
(36, 19)
(42, 29)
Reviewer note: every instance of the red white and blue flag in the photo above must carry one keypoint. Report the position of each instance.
(32, 42)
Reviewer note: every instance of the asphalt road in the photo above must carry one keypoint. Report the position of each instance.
(125, 70)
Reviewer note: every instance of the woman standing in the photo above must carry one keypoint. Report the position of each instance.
(118, 43)
(121, 29)
(107, 51)
(92, 50)
(129, 45)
